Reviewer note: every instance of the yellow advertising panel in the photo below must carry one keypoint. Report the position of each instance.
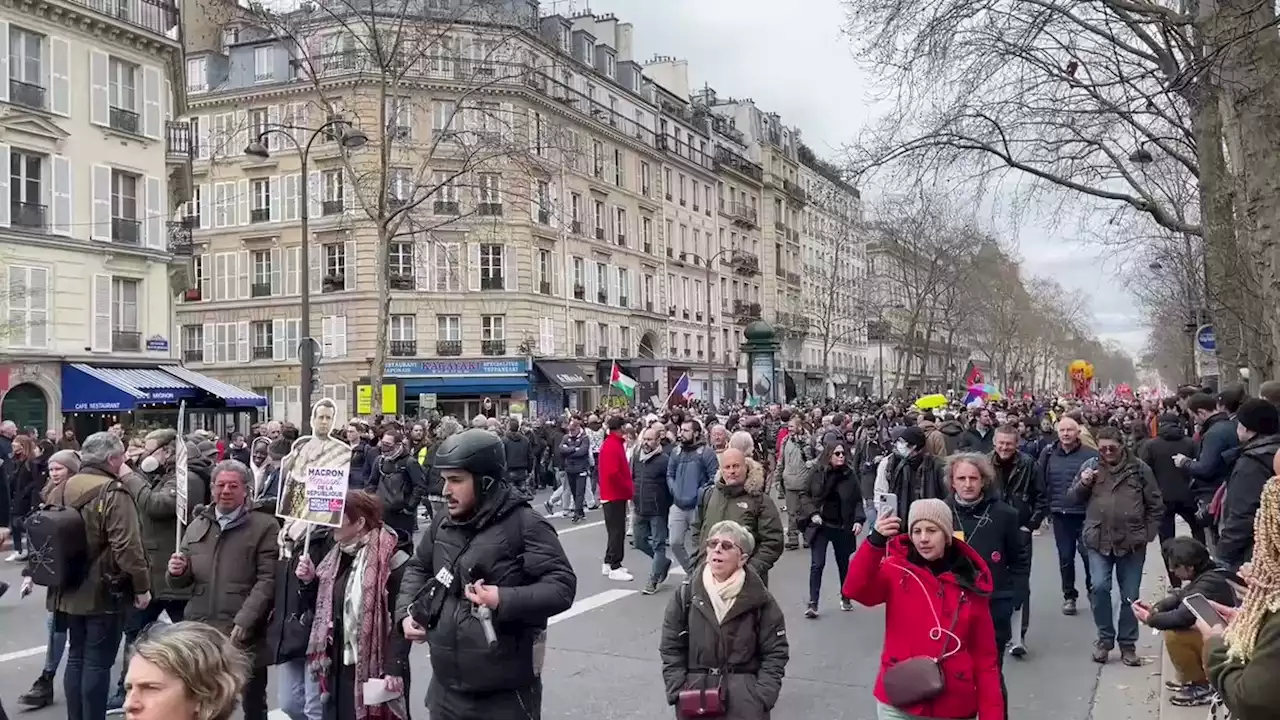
(390, 399)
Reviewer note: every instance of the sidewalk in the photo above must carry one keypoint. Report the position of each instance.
(1137, 693)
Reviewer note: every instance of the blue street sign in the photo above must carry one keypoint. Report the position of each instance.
(1205, 339)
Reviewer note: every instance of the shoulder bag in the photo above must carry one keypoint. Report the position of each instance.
(920, 679)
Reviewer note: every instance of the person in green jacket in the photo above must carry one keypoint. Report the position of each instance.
(738, 494)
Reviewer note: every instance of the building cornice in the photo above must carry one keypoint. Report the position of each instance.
(79, 16)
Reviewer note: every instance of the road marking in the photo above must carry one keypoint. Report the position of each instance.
(583, 526)
(20, 654)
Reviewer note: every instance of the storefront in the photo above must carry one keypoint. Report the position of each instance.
(95, 397)
(462, 388)
(561, 384)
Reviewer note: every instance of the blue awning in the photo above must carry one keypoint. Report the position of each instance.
(469, 385)
(89, 388)
(230, 394)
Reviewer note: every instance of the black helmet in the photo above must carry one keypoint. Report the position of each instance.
(479, 452)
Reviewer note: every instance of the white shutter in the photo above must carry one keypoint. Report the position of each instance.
(38, 307)
(59, 75)
(239, 135)
(61, 195)
(273, 120)
(241, 203)
(99, 100)
(290, 209)
(209, 351)
(155, 213)
(277, 402)
(206, 277)
(202, 137)
(611, 277)
(4, 68)
(547, 337)
(152, 87)
(292, 270)
(340, 336)
(293, 404)
(168, 101)
(511, 271)
(277, 340)
(242, 341)
(590, 269)
(277, 276)
(4, 161)
(349, 278)
(219, 205)
(101, 329)
(340, 403)
(314, 196)
(273, 189)
(422, 268)
(473, 266)
(206, 206)
(245, 275)
(326, 336)
(315, 254)
(593, 338)
(101, 203)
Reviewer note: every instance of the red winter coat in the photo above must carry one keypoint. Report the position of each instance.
(972, 678)
(615, 471)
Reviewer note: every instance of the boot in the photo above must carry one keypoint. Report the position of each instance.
(40, 695)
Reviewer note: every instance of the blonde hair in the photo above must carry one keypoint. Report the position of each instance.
(210, 667)
(1263, 595)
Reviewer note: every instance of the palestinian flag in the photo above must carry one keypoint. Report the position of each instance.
(625, 384)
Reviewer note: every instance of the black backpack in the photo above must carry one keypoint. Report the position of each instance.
(58, 541)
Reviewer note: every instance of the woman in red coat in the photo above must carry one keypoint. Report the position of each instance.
(935, 591)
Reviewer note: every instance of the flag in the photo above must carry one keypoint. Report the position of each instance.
(623, 382)
(680, 391)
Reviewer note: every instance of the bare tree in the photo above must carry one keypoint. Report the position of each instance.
(832, 308)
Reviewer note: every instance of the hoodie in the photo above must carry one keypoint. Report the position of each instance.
(615, 472)
(519, 452)
(951, 431)
(1158, 452)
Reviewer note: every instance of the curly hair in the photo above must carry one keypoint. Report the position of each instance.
(210, 667)
(977, 460)
(1263, 595)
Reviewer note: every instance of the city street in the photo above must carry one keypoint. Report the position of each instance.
(602, 659)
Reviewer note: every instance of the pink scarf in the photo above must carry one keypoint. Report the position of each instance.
(375, 625)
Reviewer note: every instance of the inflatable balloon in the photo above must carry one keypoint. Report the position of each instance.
(1081, 374)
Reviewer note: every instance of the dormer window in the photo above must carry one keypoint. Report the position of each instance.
(589, 54)
(610, 66)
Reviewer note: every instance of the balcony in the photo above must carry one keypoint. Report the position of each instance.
(448, 348)
(600, 233)
(743, 215)
(579, 292)
(331, 207)
(446, 207)
(744, 263)
(32, 216)
(404, 348)
(260, 289)
(126, 340)
(492, 282)
(489, 209)
(728, 160)
(602, 351)
(191, 295)
(126, 231)
(795, 194)
(177, 140)
(154, 16)
(260, 215)
(544, 287)
(401, 281)
(262, 352)
(180, 235)
(744, 311)
(579, 350)
(192, 356)
(493, 347)
(28, 94)
(123, 120)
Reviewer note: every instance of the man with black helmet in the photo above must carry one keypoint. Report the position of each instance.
(484, 580)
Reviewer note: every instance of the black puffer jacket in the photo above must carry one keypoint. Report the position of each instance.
(1157, 452)
(508, 544)
(832, 493)
(294, 605)
(992, 529)
(1021, 486)
(363, 458)
(649, 471)
(1250, 473)
(25, 483)
(1171, 614)
(399, 482)
(519, 452)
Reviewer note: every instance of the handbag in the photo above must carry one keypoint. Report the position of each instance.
(919, 679)
(703, 702)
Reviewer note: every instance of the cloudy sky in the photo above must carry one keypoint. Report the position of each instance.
(785, 55)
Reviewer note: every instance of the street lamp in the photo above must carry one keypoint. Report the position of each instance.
(711, 384)
(350, 137)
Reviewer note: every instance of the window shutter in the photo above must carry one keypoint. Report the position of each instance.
(152, 87)
(101, 203)
(101, 340)
(555, 209)
(99, 100)
(242, 341)
(277, 340)
(277, 275)
(4, 158)
(313, 195)
(273, 120)
(208, 351)
(293, 404)
(237, 135)
(591, 280)
(511, 272)
(155, 212)
(4, 64)
(202, 137)
(61, 195)
(273, 190)
(422, 268)
(340, 336)
(547, 337)
(473, 266)
(340, 403)
(326, 336)
(245, 275)
(206, 276)
(349, 278)
(593, 341)
(59, 75)
(611, 276)
(241, 216)
(292, 267)
(206, 206)
(315, 267)
(277, 402)
(290, 198)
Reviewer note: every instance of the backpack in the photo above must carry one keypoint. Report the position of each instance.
(59, 543)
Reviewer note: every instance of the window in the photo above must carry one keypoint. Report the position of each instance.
(261, 273)
(589, 54)
(402, 328)
(192, 342)
(597, 158)
(124, 195)
(399, 185)
(24, 58)
(230, 36)
(400, 259)
(27, 200)
(644, 179)
(262, 336)
(448, 269)
(263, 64)
(445, 194)
(624, 341)
(579, 273)
(335, 261)
(579, 334)
(647, 289)
(545, 265)
(543, 201)
(620, 224)
(292, 336)
(28, 305)
(449, 327)
(333, 190)
(124, 306)
(646, 233)
(666, 181)
(260, 197)
(491, 257)
(123, 85)
(599, 217)
(624, 286)
(197, 74)
(684, 239)
(619, 168)
(490, 188)
(493, 327)
(443, 116)
(575, 209)
(602, 282)
(258, 123)
(682, 196)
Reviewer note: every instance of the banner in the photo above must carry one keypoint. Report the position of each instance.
(314, 475)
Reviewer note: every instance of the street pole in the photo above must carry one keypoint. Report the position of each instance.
(711, 392)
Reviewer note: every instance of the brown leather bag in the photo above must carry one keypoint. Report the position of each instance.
(704, 702)
(919, 679)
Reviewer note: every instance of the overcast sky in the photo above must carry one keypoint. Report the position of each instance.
(785, 55)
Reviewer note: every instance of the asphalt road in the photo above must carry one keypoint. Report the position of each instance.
(602, 661)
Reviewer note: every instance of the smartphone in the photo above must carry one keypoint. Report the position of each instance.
(886, 503)
(1199, 606)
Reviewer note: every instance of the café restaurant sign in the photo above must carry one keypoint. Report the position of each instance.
(461, 368)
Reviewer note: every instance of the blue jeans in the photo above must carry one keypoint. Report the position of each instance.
(93, 643)
(1066, 535)
(57, 646)
(298, 692)
(1128, 573)
(650, 534)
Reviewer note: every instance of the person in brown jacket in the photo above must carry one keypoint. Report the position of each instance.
(228, 561)
(93, 612)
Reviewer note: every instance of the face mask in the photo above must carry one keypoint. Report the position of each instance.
(902, 448)
(149, 464)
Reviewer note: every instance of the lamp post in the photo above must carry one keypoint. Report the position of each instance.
(711, 384)
(351, 138)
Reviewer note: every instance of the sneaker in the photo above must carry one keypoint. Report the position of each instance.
(621, 575)
(1129, 656)
(1101, 652)
(1018, 650)
(1192, 695)
(1068, 607)
(650, 588)
(846, 604)
(605, 569)
(1174, 685)
(40, 695)
(575, 519)
(17, 557)
(811, 612)
(791, 545)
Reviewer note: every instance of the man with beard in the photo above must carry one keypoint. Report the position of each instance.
(399, 482)
(1018, 481)
(692, 467)
(652, 503)
(979, 437)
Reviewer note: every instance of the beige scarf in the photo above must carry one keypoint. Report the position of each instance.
(722, 594)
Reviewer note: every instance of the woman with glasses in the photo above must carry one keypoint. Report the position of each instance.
(184, 671)
(724, 639)
(831, 514)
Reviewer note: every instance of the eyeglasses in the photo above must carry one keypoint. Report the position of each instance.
(1109, 449)
(838, 453)
(725, 545)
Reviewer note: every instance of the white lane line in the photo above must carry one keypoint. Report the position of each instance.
(584, 605)
(20, 654)
(583, 526)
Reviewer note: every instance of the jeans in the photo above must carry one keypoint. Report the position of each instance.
(679, 523)
(136, 621)
(57, 646)
(1022, 603)
(615, 531)
(650, 534)
(298, 693)
(1066, 535)
(253, 700)
(1128, 573)
(94, 640)
(842, 542)
(793, 517)
(577, 486)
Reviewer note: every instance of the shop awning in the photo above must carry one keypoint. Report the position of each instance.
(230, 394)
(90, 388)
(567, 375)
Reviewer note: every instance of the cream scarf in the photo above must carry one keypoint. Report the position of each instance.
(723, 594)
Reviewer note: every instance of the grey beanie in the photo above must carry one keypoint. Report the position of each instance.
(69, 459)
